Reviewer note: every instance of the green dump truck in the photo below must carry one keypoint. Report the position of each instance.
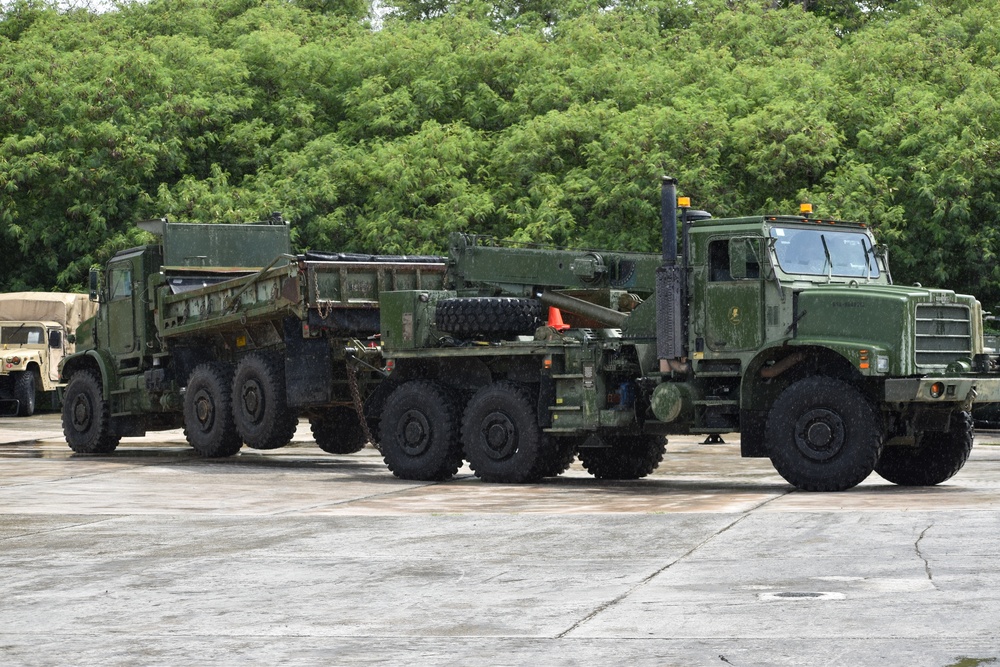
(220, 329)
(786, 329)
(36, 332)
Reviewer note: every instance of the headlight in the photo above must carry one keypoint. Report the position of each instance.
(882, 363)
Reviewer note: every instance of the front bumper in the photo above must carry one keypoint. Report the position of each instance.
(964, 390)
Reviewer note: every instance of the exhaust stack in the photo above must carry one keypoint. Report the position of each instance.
(669, 282)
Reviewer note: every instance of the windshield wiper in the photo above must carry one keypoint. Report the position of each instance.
(12, 336)
(829, 257)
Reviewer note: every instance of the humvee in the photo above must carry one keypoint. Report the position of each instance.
(36, 332)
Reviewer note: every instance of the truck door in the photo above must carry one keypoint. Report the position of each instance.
(121, 314)
(735, 296)
(56, 344)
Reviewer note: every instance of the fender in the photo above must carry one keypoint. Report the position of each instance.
(863, 356)
(91, 359)
(771, 370)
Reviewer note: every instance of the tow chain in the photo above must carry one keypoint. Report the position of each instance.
(323, 307)
(352, 384)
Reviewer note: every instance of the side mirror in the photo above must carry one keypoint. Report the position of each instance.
(882, 252)
(55, 339)
(95, 282)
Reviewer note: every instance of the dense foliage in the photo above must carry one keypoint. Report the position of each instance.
(543, 120)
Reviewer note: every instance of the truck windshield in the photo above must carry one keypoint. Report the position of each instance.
(21, 335)
(825, 252)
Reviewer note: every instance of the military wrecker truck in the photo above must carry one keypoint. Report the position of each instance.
(786, 329)
(36, 332)
(220, 329)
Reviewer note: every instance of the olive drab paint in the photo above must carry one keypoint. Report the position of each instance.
(266, 336)
(773, 309)
(785, 329)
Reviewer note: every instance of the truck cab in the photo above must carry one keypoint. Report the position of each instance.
(776, 299)
(748, 273)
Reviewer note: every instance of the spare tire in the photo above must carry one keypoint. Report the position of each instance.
(490, 316)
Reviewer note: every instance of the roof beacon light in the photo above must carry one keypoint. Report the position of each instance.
(683, 202)
(805, 209)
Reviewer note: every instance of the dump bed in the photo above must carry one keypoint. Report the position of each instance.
(338, 292)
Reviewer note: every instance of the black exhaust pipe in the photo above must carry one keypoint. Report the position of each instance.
(669, 283)
(668, 220)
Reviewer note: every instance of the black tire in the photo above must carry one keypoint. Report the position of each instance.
(823, 435)
(24, 392)
(86, 416)
(338, 431)
(936, 459)
(208, 411)
(488, 316)
(503, 441)
(419, 432)
(260, 409)
(627, 457)
(561, 456)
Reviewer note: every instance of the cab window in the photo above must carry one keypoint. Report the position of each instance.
(121, 283)
(720, 260)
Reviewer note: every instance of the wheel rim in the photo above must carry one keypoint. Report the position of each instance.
(499, 434)
(413, 433)
(820, 434)
(253, 400)
(83, 414)
(204, 411)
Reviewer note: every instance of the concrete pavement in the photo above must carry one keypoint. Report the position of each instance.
(293, 556)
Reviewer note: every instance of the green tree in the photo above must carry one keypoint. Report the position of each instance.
(535, 120)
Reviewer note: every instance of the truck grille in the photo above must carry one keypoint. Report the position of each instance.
(944, 334)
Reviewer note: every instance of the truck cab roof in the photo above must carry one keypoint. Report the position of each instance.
(807, 249)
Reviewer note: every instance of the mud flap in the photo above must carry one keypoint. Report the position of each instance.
(9, 407)
(308, 367)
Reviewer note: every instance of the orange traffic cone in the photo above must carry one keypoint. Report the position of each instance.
(555, 319)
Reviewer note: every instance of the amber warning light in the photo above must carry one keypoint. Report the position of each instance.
(683, 202)
(805, 209)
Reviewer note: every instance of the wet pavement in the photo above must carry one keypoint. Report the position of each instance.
(153, 555)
